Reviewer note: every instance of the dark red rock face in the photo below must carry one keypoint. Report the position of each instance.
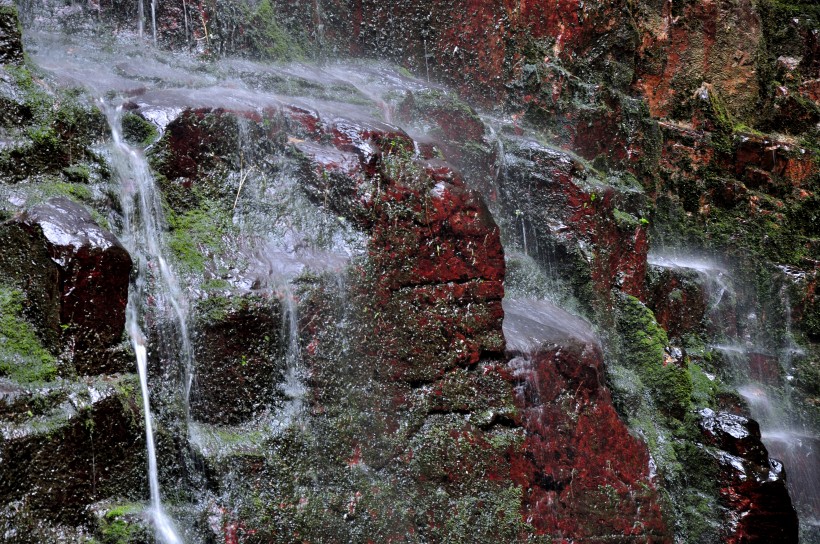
(585, 476)
(752, 486)
(85, 304)
(679, 301)
(549, 190)
(433, 245)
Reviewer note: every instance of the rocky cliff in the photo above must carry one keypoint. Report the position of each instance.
(450, 271)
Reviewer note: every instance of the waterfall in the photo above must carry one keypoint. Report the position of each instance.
(154, 20)
(140, 233)
(293, 386)
(758, 359)
(140, 18)
(166, 533)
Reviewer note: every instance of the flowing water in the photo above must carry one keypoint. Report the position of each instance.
(140, 234)
(761, 365)
(281, 235)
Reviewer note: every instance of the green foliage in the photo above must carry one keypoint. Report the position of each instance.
(22, 357)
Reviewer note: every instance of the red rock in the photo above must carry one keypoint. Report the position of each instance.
(79, 287)
(811, 90)
(752, 486)
(678, 298)
(553, 191)
(584, 475)
(788, 162)
(705, 40)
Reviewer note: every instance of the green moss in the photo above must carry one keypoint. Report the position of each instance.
(120, 510)
(57, 130)
(642, 349)
(75, 191)
(124, 524)
(267, 39)
(22, 357)
(626, 220)
(34, 95)
(643, 339)
(704, 388)
(196, 234)
(138, 131)
(78, 173)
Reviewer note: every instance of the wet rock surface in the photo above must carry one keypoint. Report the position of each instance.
(79, 284)
(239, 359)
(585, 476)
(11, 43)
(381, 400)
(752, 485)
(81, 444)
(545, 190)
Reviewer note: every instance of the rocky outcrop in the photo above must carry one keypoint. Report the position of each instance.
(11, 43)
(545, 190)
(239, 358)
(81, 444)
(752, 486)
(76, 276)
(398, 408)
(584, 476)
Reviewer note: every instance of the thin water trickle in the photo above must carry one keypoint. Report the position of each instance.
(293, 386)
(141, 235)
(140, 18)
(154, 20)
(164, 527)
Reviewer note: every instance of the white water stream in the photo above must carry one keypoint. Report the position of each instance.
(154, 278)
(758, 359)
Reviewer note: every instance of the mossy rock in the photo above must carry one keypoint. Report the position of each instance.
(22, 356)
(137, 130)
(643, 348)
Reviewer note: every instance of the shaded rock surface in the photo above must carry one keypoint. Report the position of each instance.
(752, 485)
(83, 443)
(76, 275)
(11, 42)
(239, 361)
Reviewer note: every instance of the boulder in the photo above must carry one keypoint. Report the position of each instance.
(75, 275)
(752, 486)
(82, 443)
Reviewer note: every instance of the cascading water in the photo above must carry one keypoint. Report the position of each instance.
(164, 527)
(760, 364)
(154, 20)
(279, 235)
(140, 233)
